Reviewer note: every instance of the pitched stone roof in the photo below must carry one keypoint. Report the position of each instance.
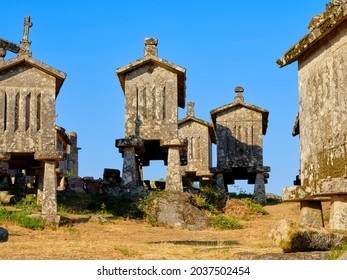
(202, 122)
(60, 76)
(320, 26)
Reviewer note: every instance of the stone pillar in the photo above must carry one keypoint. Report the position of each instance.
(40, 186)
(3, 167)
(49, 196)
(131, 177)
(311, 213)
(173, 173)
(220, 183)
(131, 173)
(49, 192)
(338, 212)
(259, 195)
(72, 158)
(4, 158)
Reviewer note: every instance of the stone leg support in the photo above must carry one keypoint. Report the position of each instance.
(311, 213)
(4, 158)
(259, 194)
(131, 173)
(40, 187)
(49, 196)
(220, 183)
(3, 167)
(338, 212)
(173, 173)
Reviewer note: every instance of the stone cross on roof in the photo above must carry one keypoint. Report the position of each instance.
(25, 42)
(27, 25)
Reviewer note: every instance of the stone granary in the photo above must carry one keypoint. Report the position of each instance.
(239, 128)
(322, 119)
(200, 135)
(154, 89)
(29, 137)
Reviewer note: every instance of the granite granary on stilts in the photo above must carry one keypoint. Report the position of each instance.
(153, 89)
(322, 119)
(30, 140)
(239, 130)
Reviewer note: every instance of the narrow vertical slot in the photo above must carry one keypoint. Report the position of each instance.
(16, 112)
(27, 111)
(5, 112)
(164, 102)
(38, 112)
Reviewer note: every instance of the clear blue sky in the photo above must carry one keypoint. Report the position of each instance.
(221, 43)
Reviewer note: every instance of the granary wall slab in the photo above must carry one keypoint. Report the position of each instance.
(199, 153)
(27, 110)
(239, 138)
(151, 99)
(323, 111)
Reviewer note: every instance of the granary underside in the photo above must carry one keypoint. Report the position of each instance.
(154, 150)
(239, 173)
(25, 161)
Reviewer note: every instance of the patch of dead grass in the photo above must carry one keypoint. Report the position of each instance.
(131, 239)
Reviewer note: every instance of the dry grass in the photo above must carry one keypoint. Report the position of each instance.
(137, 240)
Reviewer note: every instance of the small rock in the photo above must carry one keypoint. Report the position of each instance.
(3, 234)
(99, 219)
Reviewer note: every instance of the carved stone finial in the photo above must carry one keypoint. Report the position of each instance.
(151, 46)
(7, 46)
(25, 42)
(27, 25)
(2, 54)
(239, 91)
(190, 109)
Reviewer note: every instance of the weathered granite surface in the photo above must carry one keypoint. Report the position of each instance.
(29, 137)
(200, 136)
(239, 130)
(322, 119)
(154, 89)
(293, 237)
(174, 209)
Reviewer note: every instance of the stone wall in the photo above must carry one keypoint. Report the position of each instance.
(151, 98)
(322, 111)
(239, 138)
(199, 153)
(27, 110)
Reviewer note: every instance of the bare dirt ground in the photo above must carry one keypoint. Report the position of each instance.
(137, 240)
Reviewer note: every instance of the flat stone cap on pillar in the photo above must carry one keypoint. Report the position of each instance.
(298, 194)
(129, 142)
(173, 143)
(49, 156)
(259, 169)
(331, 187)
